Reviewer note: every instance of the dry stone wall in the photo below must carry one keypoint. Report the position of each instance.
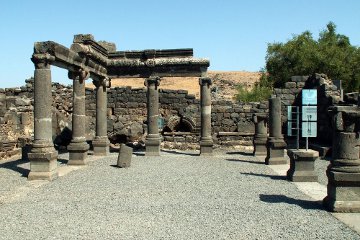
(232, 123)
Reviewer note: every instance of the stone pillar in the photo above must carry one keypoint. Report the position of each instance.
(101, 141)
(78, 147)
(275, 143)
(260, 138)
(302, 165)
(43, 156)
(152, 141)
(206, 141)
(343, 189)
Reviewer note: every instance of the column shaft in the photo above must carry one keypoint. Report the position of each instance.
(78, 147)
(275, 142)
(206, 142)
(43, 156)
(101, 142)
(152, 141)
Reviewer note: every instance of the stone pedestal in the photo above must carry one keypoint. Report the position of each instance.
(124, 158)
(152, 140)
(275, 144)
(101, 141)
(43, 156)
(260, 137)
(343, 189)
(302, 165)
(206, 141)
(78, 146)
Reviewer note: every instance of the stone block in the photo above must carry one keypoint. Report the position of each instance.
(302, 165)
(124, 157)
(290, 85)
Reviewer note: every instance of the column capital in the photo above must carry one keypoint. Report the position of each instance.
(80, 75)
(152, 81)
(258, 117)
(205, 81)
(102, 82)
(42, 60)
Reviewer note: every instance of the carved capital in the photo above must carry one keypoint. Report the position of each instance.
(104, 82)
(42, 60)
(205, 81)
(80, 75)
(152, 81)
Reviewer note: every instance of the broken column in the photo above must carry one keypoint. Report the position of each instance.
(343, 189)
(43, 156)
(206, 141)
(78, 146)
(302, 165)
(101, 141)
(275, 142)
(152, 141)
(260, 138)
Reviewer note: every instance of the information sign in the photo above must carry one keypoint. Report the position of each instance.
(308, 129)
(309, 96)
(309, 113)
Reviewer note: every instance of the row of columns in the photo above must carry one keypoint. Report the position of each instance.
(43, 156)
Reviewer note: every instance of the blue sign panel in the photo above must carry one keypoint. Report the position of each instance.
(308, 129)
(309, 113)
(309, 97)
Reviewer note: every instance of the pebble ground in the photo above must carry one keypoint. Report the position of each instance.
(175, 196)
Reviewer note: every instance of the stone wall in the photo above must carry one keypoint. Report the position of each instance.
(232, 123)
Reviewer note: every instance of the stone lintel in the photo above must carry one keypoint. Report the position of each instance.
(67, 58)
(152, 53)
(162, 67)
(88, 39)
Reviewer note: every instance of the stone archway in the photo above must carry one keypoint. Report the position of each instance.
(180, 124)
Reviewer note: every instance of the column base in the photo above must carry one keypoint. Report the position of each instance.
(101, 146)
(260, 147)
(275, 151)
(343, 192)
(152, 146)
(77, 153)
(206, 148)
(302, 165)
(43, 166)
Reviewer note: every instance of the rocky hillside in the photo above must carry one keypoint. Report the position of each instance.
(223, 86)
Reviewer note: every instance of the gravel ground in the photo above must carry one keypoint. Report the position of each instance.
(176, 196)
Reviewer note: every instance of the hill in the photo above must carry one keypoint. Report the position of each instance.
(224, 82)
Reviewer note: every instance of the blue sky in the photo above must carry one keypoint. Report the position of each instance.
(233, 34)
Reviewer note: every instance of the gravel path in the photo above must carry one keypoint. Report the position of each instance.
(176, 196)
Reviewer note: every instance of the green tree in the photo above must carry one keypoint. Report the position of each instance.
(331, 54)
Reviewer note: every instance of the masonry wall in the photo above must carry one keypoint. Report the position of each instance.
(232, 123)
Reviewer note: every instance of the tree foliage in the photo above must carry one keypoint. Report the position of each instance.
(331, 54)
(261, 90)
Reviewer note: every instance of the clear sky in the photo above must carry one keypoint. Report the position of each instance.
(233, 34)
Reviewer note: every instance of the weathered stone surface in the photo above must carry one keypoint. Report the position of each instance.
(124, 157)
(302, 165)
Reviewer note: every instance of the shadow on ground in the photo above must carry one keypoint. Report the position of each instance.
(305, 204)
(241, 153)
(181, 153)
(273, 177)
(14, 166)
(243, 160)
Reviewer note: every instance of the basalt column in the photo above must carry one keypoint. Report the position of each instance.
(260, 137)
(78, 147)
(152, 141)
(43, 156)
(343, 189)
(101, 141)
(206, 142)
(275, 143)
